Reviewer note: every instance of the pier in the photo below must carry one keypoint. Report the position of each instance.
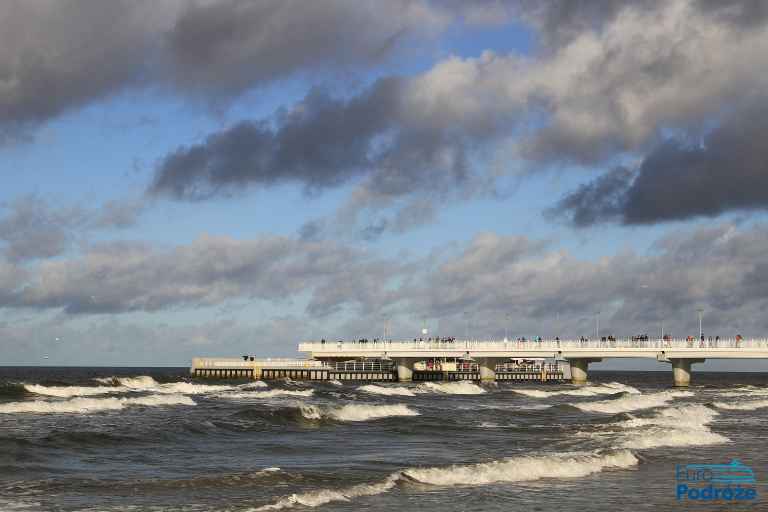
(680, 354)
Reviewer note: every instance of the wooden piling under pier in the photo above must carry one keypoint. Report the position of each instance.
(223, 373)
(530, 376)
(431, 376)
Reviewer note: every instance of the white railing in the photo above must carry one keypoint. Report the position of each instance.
(545, 344)
(210, 362)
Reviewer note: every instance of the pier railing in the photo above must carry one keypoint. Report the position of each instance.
(544, 344)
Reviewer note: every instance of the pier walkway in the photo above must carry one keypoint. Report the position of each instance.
(681, 354)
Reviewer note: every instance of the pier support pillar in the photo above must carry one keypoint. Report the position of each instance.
(404, 370)
(487, 367)
(681, 371)
(580, 369)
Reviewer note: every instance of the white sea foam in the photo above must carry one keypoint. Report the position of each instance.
(686, 425)
(133, 384)
(603, 389)
(750, 405)
(70, 391)
(632, 402)
(387, 391)
(88, 405)
(335, 382)
(188, 388)
(463, 387)
(272, 393)
(356, 412)
(522, 469)
(745, 391)
(140, 382)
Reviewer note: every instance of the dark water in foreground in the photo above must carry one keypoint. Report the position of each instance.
(152, 439)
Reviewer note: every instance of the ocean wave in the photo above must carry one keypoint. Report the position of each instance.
(632, 402)
(356, 412)
(523, 469)
(463, 387)
(90, 405)
(518, 469)
(602, 389)
(12, 390)
(675, 426)
(335, 382)
(752, 405)
(386, 390)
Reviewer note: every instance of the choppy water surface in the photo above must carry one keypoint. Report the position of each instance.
(153, 439)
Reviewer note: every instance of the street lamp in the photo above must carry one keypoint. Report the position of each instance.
(506, 328)
(597, 325)
(466, 325)
(701, 312)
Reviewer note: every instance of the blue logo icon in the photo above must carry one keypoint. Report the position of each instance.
(734, 482)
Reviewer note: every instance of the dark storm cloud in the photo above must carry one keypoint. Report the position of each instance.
(58, 55)
(597, 201)
(319, 143)
(230, 45)
(726, 171)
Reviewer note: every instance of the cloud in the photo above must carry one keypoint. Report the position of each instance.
(679, 180)
(320, 143)
(121, 276)
(56, 55)
(33, 229)
(497, 279)
(231, 45)
(620, 82)
(495, 276)
(59, 55)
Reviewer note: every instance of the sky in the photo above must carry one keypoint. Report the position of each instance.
(227, 177)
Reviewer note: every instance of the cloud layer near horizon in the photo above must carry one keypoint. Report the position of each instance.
(719, 267)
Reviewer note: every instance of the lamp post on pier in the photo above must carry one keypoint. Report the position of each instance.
(701, 331)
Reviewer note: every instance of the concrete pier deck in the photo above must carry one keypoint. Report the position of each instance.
(680, 353)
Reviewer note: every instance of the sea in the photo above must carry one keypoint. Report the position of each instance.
(154, 439)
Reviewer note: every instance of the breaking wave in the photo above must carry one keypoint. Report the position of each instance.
(356, 412)
(386, 391)
(676, 426)
(70, 391)
(603, 389)
(323, 496)
(140, 382)
(522, 469)
(452, 388)
(518, 469)
(89, 405)
(632, 402)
